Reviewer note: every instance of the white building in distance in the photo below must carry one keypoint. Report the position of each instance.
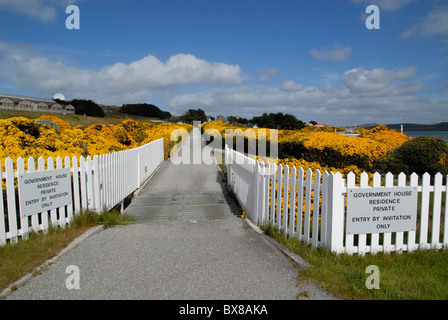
(26, 103)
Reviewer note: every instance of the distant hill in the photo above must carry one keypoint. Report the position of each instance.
(442, 126)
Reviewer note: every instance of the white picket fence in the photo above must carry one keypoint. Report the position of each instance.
(312, 205)
(98, 183)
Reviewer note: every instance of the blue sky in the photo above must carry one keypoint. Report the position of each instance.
(314, 59)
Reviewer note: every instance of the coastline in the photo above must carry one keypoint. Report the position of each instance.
(437, 134)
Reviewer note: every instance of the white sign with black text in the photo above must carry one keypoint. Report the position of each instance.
(380, 210)
(45, 190)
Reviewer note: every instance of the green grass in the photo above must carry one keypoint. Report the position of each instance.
(420, 275)
(113, 218)
(23, 257)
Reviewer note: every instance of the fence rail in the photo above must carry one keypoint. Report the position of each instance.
(98, 183)
(312, 206)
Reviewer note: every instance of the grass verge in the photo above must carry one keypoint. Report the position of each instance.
(23, 257)
(420, 275)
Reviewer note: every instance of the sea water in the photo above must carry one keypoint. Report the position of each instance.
(439, 134)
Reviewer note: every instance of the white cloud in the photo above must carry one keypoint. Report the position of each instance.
(358, 95)
(361, 96)
(378, 81)
(117, 83)
(44, 11)
(266, 74)
(290, 85)
(434, 23)
(388, 5)
(338, 53)
(32, 8)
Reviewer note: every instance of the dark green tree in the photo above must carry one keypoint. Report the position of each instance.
(87, 107)
(62, 102)
(193, 115)
(146, 110)
(236, 119)
(278, 121)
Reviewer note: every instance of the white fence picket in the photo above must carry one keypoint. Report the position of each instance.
(327, 193)
(412, 243)
(97, 184)
(11, 200)
(76, 186)
(316, 207)
(425, 211)
(285, 199)
(83, 181)
(349, 238)
(70, 207)
(445, 218)
(273, 188)
(437, 199)
(362, 238)
(24, 227)
(306, 228)
(279, 196)
(53, 213)
(292, 204)
(61, 212)
(299, 214)
(399, 236)
(375, 238)
(44, 214)
(2, 213)
(324, 209)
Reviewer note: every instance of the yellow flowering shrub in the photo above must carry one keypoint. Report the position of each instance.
(22, 137)
(326, 147)
(301, 163)
(240, 134)
(325, 150)
(163, 130)
(392, 138)
(62, 124)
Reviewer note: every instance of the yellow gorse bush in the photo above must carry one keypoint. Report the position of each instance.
(370, 144)
(22, 137)
(238, 131)
(305, 165)
(373, 143)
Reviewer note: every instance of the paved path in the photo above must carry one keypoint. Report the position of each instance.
(188, 243)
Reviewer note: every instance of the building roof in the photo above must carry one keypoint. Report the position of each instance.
(23, 97)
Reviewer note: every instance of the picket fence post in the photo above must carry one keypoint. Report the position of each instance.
(256, 187)
(292, 213)
(2, 213)
(11, 199)
(273, 188)
(285, 200)
(336, 205)
(324, 209)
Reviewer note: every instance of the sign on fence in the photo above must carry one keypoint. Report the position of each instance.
(379, 210)
(42, 191)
